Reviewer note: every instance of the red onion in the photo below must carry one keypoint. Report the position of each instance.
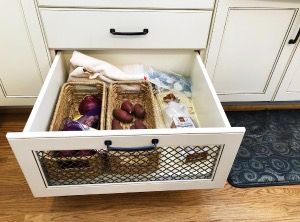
(70, 125)
(90, 104)
(89, 120)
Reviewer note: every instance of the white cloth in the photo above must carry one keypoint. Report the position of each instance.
(92, 68)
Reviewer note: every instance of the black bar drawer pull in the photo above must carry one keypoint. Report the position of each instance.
(144, 32)
(293, 41)
(154, 142)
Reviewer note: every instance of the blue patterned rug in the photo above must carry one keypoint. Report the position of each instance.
(270, 151)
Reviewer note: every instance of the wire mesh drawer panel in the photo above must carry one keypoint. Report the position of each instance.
(75, 167)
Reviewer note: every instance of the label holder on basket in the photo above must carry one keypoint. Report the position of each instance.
(154, 142)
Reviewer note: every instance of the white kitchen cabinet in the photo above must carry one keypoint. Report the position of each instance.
(289, 88)
(24, 63)
(212, 147)
(156, 28)
(249, 48)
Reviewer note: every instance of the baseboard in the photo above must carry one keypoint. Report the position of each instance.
(15, 109)
(254, 106)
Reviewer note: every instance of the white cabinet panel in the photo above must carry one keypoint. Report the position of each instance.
(290, 85)
(158, 4)
(248, 49)
(20, 75)
(162, 28)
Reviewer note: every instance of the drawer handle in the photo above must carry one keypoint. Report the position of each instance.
(293, 41)
(154, 142)
(144, 32)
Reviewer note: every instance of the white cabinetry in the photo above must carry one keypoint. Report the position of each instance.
(290, 86)
(249, 47)
(215, 131)
(179, 53)
(23, 66)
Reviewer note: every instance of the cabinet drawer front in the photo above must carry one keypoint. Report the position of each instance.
(158, 4)
(208, 151)
(91, 29)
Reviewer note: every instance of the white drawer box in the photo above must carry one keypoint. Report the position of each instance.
(215, 130)
(131, 29)
(157, 4)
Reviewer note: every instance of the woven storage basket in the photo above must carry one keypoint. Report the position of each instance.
(135, 91)
(75, 167)
(137, 162)
(69, 99)
(72, 168)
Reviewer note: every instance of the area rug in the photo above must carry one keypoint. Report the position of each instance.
(270, 151)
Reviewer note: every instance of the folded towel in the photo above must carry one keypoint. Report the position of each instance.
(92, 68)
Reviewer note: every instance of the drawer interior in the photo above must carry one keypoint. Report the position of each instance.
(188, 158)
(188, 63)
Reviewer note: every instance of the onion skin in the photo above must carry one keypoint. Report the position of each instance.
(88, 104)
(70, 125)
(89, 120)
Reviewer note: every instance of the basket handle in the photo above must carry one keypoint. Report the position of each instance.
(154, 142)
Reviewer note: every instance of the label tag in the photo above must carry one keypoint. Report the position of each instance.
(182, 122)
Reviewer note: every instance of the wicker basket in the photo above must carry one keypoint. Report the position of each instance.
(139, 162)
(72, 168)
(69, 99)
(135, 91)
(75, 167)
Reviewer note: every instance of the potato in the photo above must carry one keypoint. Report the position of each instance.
(127, 106)
(139, 111)
(122, 116)
(138, 124)
(116, 125)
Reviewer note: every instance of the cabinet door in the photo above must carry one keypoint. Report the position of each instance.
(247, 51)
(20, 76)
(290, 86)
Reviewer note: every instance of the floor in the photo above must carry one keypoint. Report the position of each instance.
(228, 204)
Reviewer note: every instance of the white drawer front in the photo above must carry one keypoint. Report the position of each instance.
(216, 137)
(158, 4)
(90, 29)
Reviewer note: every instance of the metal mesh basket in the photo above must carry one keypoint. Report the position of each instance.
(160, 164)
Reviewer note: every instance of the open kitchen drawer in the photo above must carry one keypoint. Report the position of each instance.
(192, 158)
